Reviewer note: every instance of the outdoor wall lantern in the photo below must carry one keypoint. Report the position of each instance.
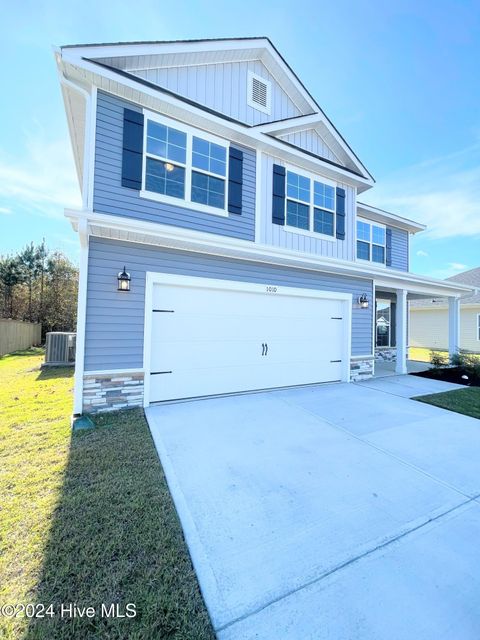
(123, 280)
(363, 301)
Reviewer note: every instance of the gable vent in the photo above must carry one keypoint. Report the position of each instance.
(258, 93)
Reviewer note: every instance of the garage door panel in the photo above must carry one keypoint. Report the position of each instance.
(212, 381)
(210, 341)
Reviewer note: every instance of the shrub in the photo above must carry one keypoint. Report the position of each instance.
(469, 362)
(438, 360)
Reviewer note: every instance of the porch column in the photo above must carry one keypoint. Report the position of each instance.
(401, 326)
(453, 325)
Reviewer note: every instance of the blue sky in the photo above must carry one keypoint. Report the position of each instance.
(399, 80)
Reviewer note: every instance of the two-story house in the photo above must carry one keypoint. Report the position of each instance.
(223, 248)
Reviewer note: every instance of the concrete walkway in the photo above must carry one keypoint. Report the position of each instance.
(337, 511)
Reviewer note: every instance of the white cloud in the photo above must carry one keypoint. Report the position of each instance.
(44, 180)
(443, 193)
(6, 211)
(457, 266)
(422, 254)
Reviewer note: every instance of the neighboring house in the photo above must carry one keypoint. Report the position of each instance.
(209, 171)
(429, 318)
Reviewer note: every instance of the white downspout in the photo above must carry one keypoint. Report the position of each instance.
(81, 317)
(87, 202)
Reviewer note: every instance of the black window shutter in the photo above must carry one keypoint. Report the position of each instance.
(340, 195)
(132, 149)
(235, 180)
(388, 252)
(278, 201)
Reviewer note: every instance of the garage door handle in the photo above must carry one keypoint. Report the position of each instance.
(266, 348)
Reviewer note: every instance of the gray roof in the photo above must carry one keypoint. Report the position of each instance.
(470, 277)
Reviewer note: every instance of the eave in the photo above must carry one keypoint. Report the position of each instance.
(385, 217)
(129, 230)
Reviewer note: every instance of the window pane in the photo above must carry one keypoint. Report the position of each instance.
(323, 222)
(298, 187)
(297, 215)
(363, 231)
(378, 235)
(156, 130)
(157, 147)
(177, 154)
(158, 179)
(177, 138)
(199, 161)
(166, 142)
(208, 190)
(363, 250)
(209, 156)
(378, 253)
(324, 195)
(200, 146)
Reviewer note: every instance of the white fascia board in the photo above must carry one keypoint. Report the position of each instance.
(385, 217)
(125, 49)
(235, 132)
(197, 241)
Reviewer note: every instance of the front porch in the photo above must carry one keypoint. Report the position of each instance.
(391, 326)
(384, 368)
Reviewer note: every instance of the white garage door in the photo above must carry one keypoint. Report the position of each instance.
(211, 336)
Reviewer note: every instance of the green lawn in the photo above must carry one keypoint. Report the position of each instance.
(86, 518)
(466, 401)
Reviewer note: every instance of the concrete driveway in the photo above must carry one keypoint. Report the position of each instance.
(337, 511)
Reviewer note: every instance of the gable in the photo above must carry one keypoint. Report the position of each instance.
(222, 87)
(311, 141)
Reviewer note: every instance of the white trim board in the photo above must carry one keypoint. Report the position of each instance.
(153, 278)
(137, 231)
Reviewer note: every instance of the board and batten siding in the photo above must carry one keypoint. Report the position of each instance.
(223, 87)
(287, 238)
(115, 320)
(429, 328)
(400, 247)
(311, 141)
(110, 197)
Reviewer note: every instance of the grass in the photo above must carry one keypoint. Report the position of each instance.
(466, 401)
(86, 518)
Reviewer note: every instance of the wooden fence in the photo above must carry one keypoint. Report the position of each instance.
(15, 335)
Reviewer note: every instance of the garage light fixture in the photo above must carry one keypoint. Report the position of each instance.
(123, 280)
(363, 301)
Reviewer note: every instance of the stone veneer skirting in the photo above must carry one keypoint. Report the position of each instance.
(386, 354)
(112, 391)
(361, 368)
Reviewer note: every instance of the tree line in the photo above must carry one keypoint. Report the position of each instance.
(38, 285)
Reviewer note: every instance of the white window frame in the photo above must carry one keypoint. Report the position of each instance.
(190, 132)
(251, 76)
(313, 178)
(377, 300)
(478, 326)
(370, 242)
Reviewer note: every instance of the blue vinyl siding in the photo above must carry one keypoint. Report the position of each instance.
(110, 197)
(115, 320)
(400, 242)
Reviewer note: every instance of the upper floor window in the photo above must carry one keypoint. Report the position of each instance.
(310, 204)
(371, 241)
(184, 165)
